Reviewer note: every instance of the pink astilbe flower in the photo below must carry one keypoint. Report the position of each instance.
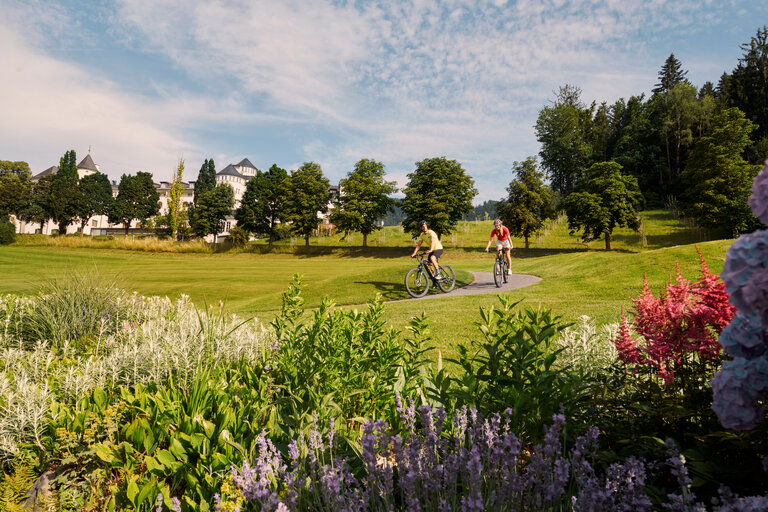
(684, 319)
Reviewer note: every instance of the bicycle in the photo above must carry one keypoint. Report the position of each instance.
(418, 278)
(500, 268)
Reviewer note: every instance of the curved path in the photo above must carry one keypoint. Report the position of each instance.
(483, 283)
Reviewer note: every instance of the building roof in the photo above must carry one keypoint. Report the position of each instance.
(51, 170)
(245, 163)
(88, 164)
(230, 171)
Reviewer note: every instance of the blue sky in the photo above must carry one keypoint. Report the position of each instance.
(143, 83)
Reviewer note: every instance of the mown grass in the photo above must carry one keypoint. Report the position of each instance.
(576, 279)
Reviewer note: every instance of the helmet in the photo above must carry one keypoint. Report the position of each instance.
(497, 222)
(422, 223)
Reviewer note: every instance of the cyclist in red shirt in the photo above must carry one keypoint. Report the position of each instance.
(503, 242)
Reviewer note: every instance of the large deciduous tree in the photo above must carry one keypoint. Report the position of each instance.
(364, 199)
(39, 207)
(604, 200)
(564, 133)
(14, 187)
(206, 179)
(137, 198)
(212, 208)
(718, 179)
(306, 195)
(262, 206)
(64, 193)
(529, 203)
(95, 197)
(438, 191)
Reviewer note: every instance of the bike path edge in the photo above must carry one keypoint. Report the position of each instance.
(483, 284)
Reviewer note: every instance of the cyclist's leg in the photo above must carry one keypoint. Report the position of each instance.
(433, 257)
(508, 255)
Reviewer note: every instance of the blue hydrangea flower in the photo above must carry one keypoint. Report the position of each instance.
(745, 263)
(745, 336)
(759, 200)
(736, 388)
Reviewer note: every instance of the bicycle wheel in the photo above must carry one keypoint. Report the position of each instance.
(497, 270)
(447, 279)
(416, 282)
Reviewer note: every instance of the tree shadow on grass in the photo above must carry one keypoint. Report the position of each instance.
(388, 289)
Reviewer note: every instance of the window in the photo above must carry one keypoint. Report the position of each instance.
(229, 224)
(94, 223)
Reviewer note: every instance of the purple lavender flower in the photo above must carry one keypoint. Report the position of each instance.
(745, 336)
(736, 388)
(759, 200)
(159, 506)
(175, 504)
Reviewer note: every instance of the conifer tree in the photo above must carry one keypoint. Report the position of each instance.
(64, 191)
(206, 179)
(671, 74)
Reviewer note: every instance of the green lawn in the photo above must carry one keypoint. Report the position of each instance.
(576, 280)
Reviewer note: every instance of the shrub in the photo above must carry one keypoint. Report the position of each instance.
(238, 236)
(678, 328)
(7, 231)
(741, 387)
(514, 365)
(587, 349)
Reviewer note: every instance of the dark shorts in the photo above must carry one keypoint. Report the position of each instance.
(436, 253)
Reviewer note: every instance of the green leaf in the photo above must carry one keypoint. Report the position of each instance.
(148, 491)
(165, 457)
(132, 491)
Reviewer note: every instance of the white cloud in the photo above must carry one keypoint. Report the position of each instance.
(397, 81)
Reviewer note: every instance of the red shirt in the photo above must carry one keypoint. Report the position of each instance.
(503, 237)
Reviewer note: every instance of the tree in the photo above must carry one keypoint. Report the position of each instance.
(438, 191)
(39, 207)
(14, 187)
(262, 206)
(718, 178)
(137, 198)
(530, 201)
(671, 74)
(175, 210)
(564, 133)
(679, 115)
(212, 208)
(747, 85)
(64, 191)
(95, 197)
(206, 179)
(364, 199)
(638, 147)
(306, 195)
(606, 199)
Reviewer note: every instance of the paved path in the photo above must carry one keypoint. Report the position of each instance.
(483, 283)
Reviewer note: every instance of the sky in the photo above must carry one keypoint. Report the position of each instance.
(142, 84)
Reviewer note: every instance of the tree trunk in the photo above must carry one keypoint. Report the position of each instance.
(271, 236)
(306, 240)
(526, 242)
(82, 227)
(42, 227)
(607, 241)
(127, 227)
(365, 239)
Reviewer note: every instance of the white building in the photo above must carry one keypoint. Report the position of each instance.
(99, 224)
(235, 175)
